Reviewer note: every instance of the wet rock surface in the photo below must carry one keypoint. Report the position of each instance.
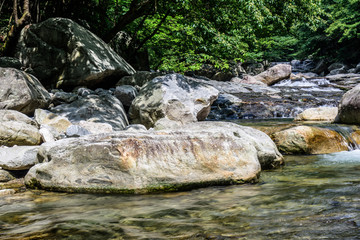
(285, 99)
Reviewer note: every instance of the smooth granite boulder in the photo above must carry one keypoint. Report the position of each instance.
(154, 161)
(18, 157)
(173, 96)
(21, 91)
(274, 74)
(309, 140)
(327, 114)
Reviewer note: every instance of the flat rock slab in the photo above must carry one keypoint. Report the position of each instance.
(148, 161)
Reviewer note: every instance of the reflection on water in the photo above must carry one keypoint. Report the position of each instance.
(312, 197)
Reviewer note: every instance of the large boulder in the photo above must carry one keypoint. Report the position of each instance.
(99, 107)
(275, 74)
(18, 157)
(309, 140)
(318, 114)
(145, 161)
(349, 107)
(175, 97)
(63, 54)
(21, 91)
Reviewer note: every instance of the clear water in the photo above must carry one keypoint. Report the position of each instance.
(312, 197)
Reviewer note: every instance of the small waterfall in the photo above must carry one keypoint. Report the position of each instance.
(348, 133)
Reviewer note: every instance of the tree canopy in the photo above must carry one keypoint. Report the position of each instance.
(181, 35)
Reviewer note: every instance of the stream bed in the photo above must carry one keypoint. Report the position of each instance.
(311, 197)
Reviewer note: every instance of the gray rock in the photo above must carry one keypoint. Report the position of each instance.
(357, 68)
(174, 96)
(139, 78)
(60, 97)
(9, 62)
(142, 162)
(126, 94)
(18, 157)
(12, 115)
(135, 128)
(274, 74)
(83, 92)
(18, 133)
(335, 66)
(5, 176)
(349, 107)
(64, 54)
(76, 131)
(254, 68)
(55, 121)
(21, 91)
(338, 71)
(96, 127)
(47, 134)
(103, 108)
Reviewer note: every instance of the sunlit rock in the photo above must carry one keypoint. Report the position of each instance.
(274, 74)
(202, 154)
(174, 96)
(318, 114)
(309, 140)
(18, 157)
(21, 91)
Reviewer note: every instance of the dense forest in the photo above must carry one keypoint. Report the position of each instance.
(181, 35)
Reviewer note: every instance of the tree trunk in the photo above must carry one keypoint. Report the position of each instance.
(13, 35)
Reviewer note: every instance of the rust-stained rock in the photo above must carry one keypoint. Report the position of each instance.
(150, 161)
(309, 140)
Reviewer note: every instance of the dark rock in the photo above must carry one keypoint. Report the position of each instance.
(76, 131)
(126, 94)
(139, 78)
(64, 55)
(9, 62)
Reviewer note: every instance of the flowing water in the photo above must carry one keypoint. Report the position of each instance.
(311, 197)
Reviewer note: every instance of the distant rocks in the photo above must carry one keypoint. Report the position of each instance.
(318, 114)
(274, 74)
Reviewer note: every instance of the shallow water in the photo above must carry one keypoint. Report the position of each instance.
(312, 197)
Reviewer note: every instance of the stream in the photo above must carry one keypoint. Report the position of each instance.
(311, 197)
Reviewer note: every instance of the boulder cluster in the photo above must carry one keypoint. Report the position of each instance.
(76, 117)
